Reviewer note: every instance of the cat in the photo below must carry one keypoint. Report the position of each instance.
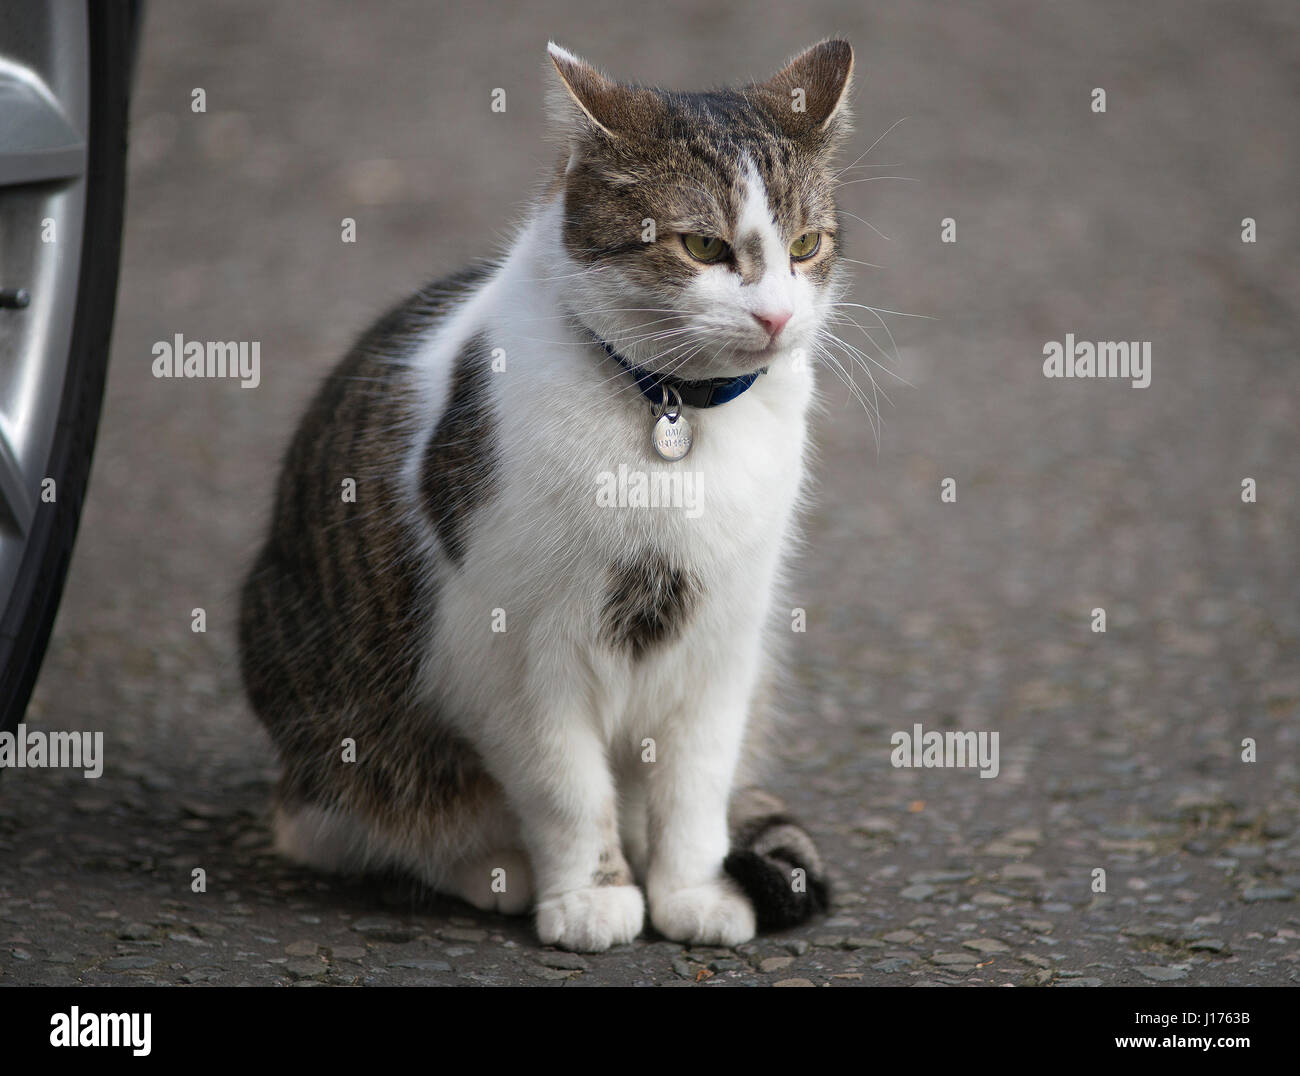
(475, 673)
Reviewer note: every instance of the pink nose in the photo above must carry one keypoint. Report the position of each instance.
(773, 321)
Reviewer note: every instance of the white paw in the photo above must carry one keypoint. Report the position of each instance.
(716, 913)
(591, 920)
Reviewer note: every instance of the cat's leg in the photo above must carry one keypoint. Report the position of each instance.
(634, 816)
(338, 841)
(554, 765)
(689, 785)
(416, 799)
(325, 839)
(497, 881)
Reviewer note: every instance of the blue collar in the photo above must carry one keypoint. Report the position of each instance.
(708, 393)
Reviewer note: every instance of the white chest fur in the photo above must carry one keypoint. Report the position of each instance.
(579, 490)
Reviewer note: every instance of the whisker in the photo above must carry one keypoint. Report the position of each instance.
(870, 147)
(868, 224)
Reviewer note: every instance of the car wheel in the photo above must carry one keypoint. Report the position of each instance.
(65, 73)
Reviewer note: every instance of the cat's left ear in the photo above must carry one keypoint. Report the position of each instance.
(810, 94)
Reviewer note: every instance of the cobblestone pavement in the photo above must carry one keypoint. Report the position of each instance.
(1120, 751)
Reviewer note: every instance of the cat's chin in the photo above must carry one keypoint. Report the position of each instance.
(762, 356)
(742, 361)
(735, 362)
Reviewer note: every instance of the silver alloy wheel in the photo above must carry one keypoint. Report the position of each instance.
(44, 112)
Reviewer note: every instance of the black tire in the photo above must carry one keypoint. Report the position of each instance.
(29, 614)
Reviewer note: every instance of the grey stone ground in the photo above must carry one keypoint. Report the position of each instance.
(1119, 750)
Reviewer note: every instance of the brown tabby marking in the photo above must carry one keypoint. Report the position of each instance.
(613, 869)
(460, 459)
(749, 259)
(649, 603)
(336, 606)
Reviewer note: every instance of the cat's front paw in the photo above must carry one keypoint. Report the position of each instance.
(591, 920)
(716, 913)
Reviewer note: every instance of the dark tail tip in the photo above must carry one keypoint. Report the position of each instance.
(775, 862)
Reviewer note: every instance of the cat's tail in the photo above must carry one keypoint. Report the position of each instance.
(775, 861)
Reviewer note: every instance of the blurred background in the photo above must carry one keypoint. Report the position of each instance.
(1120, 750)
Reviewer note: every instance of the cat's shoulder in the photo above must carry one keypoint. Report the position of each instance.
(403, 326)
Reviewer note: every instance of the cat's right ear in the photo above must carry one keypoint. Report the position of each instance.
(585, 103)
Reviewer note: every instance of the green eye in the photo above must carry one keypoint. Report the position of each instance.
(704, 248)
(806, 245)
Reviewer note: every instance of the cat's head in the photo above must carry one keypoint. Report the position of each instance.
(701, 228)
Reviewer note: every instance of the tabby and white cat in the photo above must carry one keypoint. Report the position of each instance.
(553, 701)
